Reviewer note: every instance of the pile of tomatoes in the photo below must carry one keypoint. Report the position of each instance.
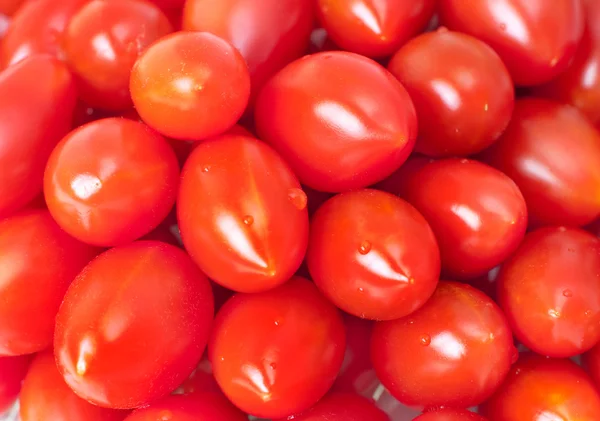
(308, 210)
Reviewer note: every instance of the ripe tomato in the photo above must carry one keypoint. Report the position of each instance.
(539, 388)
(111, 181)
(461, 89)
(373, 255)
(454, 351)
(102, 43)
(45, 396)
(268, 33)
(242, 214)
(38, 262)
(359, 124)
(374, 28)
(37, 99)
(450, 415)
(276, 353)
(535, 41)
(169, 4)
(12, 372)
(477, 213)
(9, 7)
(342, 407)
(190, 86)
(552, 152)
(133, 325)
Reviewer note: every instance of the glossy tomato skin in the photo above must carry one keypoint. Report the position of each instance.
(111, 181)
(46, 396)
(454, 351)
(12, 373)
(342, 407)
(462, 91)
(373, 255)
(552, 152)
(9, 7)
(477, 213)
(269, 34)
(37, 99)
(127, 27)
(133, 325)
(242, 214)
(558, 389)
(190, 85)
(359, 124)
(35, 255)
(536, 42)
(450, 415)
(276, 353)
(556, 272)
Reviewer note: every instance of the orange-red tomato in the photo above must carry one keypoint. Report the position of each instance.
(12, 373)
(450, 415)
(342, 407)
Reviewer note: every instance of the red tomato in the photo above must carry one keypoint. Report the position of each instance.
(450, 415)
(4, 25)
(190, 86)
(133, 325)
(454, 351)
(9, 7)
(373, 255)
(111, 181)
(536, 42)
(268, 33)
(553, 154)
(539, 389)
(12, 372)
(342, 407)
(358, 123)
(201, 380)
(37, 99)
(38, 262)
(591, 361)
(45, 396)
(374, 28)
(102, 43)
(242, 214)
(276, 353)
(550, 291)
(461, 89)
(37, 28)
(477, 213)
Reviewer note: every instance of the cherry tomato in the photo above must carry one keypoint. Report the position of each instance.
(242, 214)
(9, 7)
(373, 255)
(111, 181)
(591, 361)
(200, 381)
(461, 89)
(552, 152)
(38, 262)
(133, 325)
(539, 388)
(37, 99)
(535, 41)
(477, 213)
(45, 396)
(359, 124)
(190, 86)
(374, 28)
(268, 33)
(37, 28)
(342, 407)
(454, 351)
(450, 415)
(102, 43)
(276, 353)
(12, 372)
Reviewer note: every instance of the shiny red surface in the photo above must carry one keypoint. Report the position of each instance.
(450, 415)
(342, 407)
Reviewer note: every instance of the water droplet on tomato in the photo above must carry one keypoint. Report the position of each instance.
(364, 247)
(298, 198)
(273, 366)
(503, 27)
(206, 168)
(361, 289)
(555, 314)
(248, 220)
(425, 340)
(568, 293)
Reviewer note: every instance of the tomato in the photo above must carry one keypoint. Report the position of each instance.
(461, 89)
(342, 407)
(190, 86)
(37, 28)
(35, 255)
(9, 7)
(133, 325)
(45, 396)
(477, 213)
(536, 42)
(102, 43)
(454, 351)
(591, 361)
(359, 124)
(374, 28)
(111, 181)
(538, 388)
(450, 415)
(276, 353)
(201, 380)
(373, 255)
(552, 152)
(268, 33)
(12, 372)
(37, 99)
(242, 214)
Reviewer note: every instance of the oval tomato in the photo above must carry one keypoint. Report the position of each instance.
(342, 407)
(12, 373)
(450, 415)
